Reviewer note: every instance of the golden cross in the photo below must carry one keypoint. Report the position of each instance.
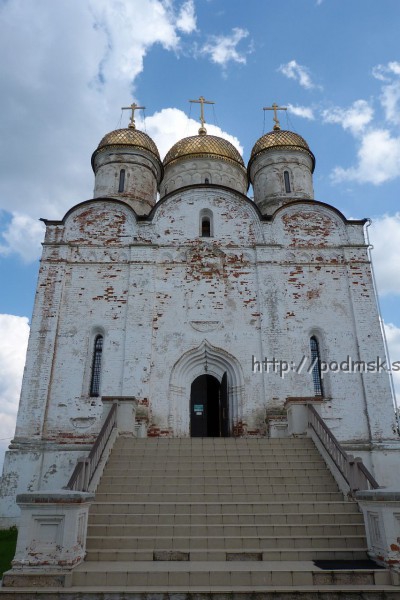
(202, 102)
(133, 107)
(275, 108)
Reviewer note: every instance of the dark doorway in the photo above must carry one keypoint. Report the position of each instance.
(209, 407)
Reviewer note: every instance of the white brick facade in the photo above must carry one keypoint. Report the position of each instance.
(172, 305)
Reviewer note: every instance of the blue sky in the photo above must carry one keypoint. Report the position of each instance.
(68, 66)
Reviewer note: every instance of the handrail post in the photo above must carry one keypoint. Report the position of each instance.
(352, 473)
(86, 474)
(360, 479)
(80, 474)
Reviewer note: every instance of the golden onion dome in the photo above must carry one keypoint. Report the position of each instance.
(127, 137)
(203, 146)
(285, 140)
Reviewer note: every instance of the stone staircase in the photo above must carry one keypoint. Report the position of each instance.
(212, 517)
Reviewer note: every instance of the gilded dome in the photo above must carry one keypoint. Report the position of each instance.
(207, 146)
(127, 137)
(279, 138)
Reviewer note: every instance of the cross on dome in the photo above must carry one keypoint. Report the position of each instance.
(133, 107)
(275, 108)
(202, 101)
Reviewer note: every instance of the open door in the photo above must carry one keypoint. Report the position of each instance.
(209, 407)
(224, 407)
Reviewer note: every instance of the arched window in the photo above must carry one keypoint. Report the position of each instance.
(205, 227)
(96, 366)
(316, 366)
(206, 180)
(287, 181)
(121, 186)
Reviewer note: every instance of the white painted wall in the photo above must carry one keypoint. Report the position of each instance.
(162, 297)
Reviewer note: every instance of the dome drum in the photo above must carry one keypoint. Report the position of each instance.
(280, 170)
(127, 166)
(202, 170)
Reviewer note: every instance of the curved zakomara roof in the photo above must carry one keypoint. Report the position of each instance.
(204, 146)
(316, 204)
(285, 140)
(127, 137)
(150, 216)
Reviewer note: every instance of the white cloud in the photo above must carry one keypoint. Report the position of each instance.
(378, 153)
(385, 72)
(299, 73)
(302, 111)
(378, 159)
(385, 237)
(131, 28)
(393, 341)
(355, 118)
(14, 332)
(171, 124)
(390, 100)
(187, 17)
(222, 48)
(70, 67)
(23, 236)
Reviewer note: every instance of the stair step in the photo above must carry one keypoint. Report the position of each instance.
(184, 479)
(228, 519)
(215, 441)
(281, 456)
(218, 555)
(223, 574)
(218, 530)
(221, 471)
(216, 489)
(239, 496)
(228, 542)
(253, 508)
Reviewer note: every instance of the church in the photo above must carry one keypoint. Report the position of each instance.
(201, 312)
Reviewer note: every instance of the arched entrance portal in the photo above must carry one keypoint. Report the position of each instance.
(205, 359)
(209, 414)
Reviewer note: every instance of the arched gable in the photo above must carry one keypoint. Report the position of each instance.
(311, 224)
(236, 219)
(101, 222)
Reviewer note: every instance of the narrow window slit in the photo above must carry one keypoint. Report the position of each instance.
(287, 181)
(121, 186)
(96, 367)
(316, 366)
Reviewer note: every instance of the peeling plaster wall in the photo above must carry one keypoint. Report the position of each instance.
(158, 292)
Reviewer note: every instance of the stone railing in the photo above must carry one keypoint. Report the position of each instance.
(352, 469)
(52, 536)
(381, 510)
(380, 506)
(86, 466)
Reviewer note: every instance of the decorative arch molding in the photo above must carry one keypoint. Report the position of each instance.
(202, 360)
